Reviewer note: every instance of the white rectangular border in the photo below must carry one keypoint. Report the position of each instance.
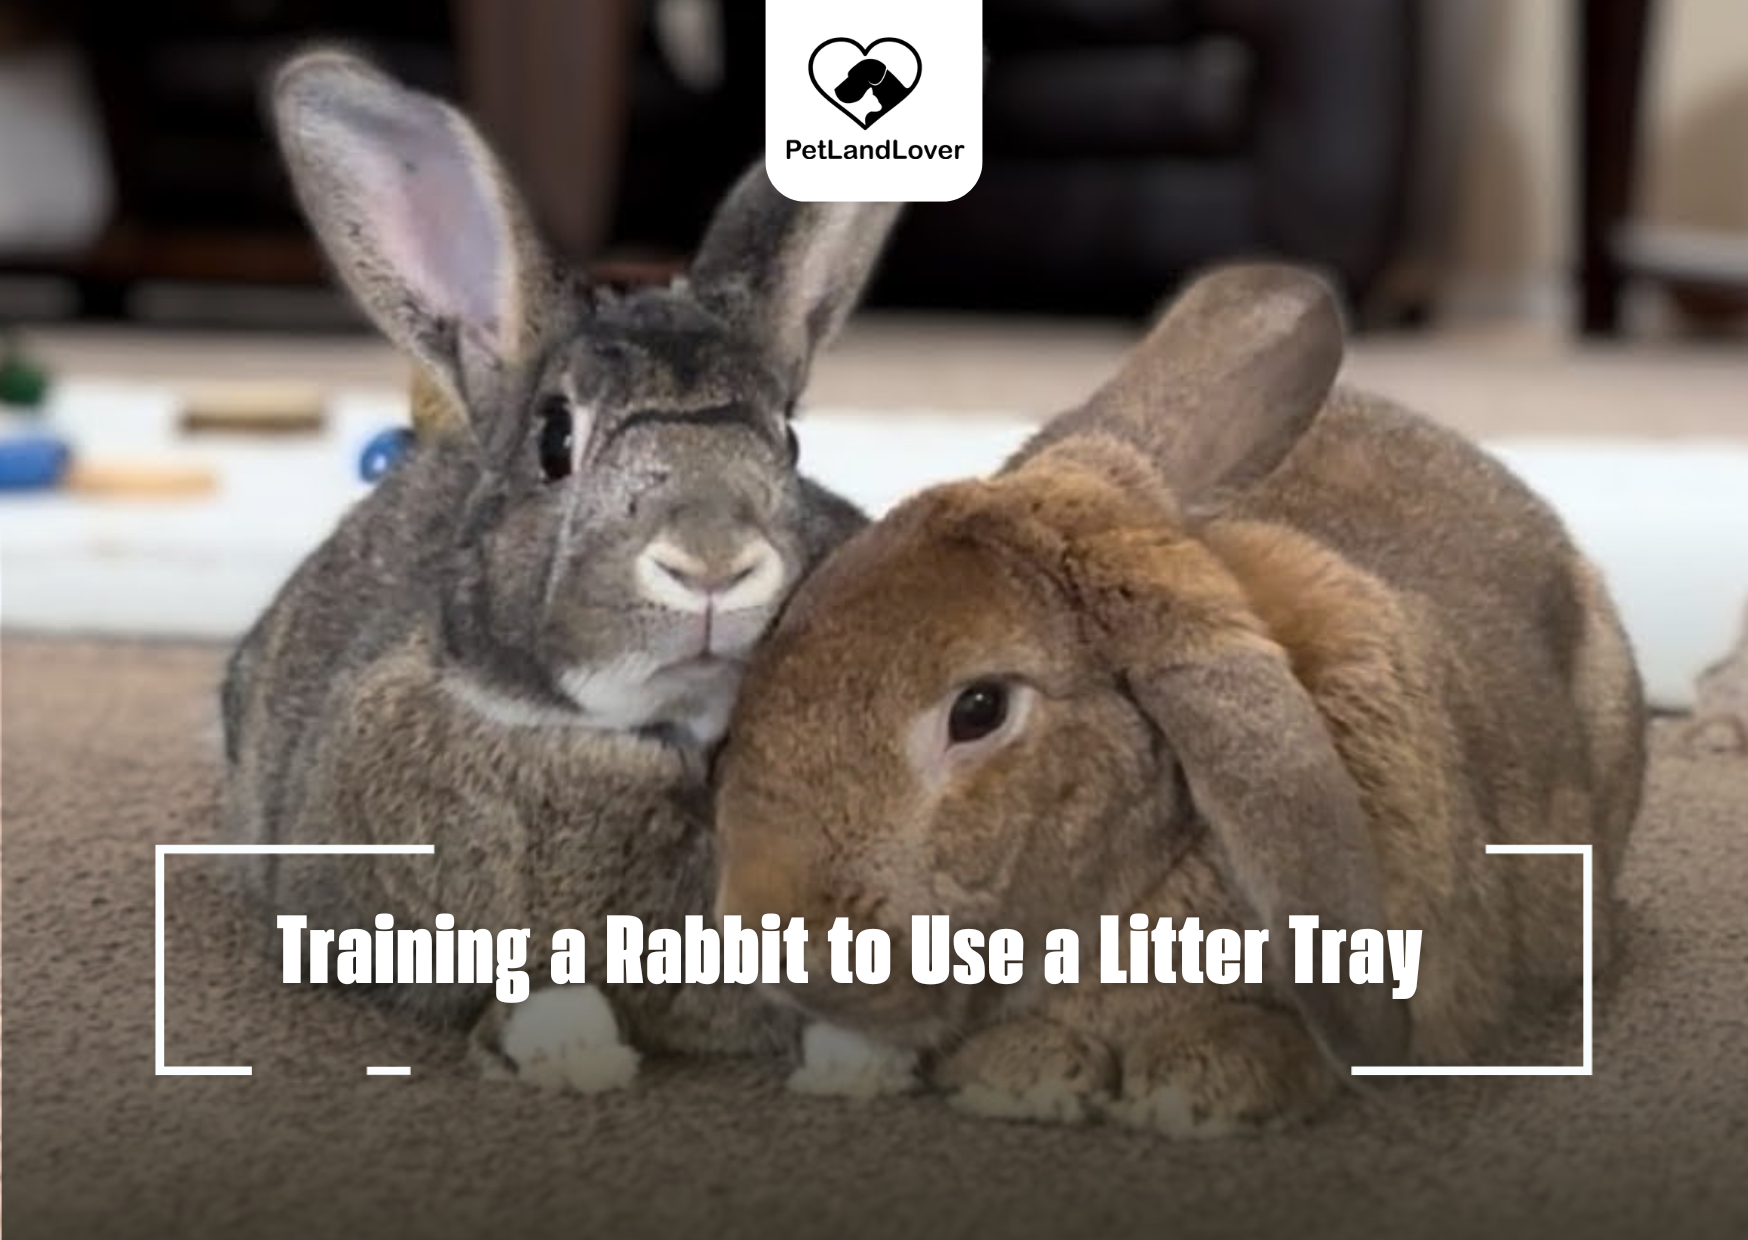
(163, 1069)
(158, 930)
(1583, 1069)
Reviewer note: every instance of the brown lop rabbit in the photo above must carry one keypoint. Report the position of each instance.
(1229, 643)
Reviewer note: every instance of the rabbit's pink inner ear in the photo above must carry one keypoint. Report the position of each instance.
(438, 223)
(1292, 831)
(409, 203)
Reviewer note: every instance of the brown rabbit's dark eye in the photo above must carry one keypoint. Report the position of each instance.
(557, 431)
(980, 709)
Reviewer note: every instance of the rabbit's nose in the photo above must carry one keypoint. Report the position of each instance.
(750, 575)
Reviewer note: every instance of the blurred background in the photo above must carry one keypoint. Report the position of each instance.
(1446, 159)
(1536, 209)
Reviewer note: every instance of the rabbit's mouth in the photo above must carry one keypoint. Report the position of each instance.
(728, 635)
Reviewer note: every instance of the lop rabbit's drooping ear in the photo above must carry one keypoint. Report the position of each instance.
(1264, 773)
(1216, 397)
(412, 207)
(788, 273)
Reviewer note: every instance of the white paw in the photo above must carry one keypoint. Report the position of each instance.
(565, 1037)
(1168, 1110)
(842, 1064)
(1056, 1102)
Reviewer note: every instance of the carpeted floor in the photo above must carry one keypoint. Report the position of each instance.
(110, 749)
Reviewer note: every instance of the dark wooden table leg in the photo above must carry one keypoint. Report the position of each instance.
(550, 82)
(1611, 59)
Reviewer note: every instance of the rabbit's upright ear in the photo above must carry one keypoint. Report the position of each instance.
(416, 214)
(788, 273)
(1265, 775)
(1225, 383)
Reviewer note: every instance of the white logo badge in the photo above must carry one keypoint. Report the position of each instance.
(874, 102)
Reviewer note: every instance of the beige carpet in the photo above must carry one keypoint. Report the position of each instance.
(109, 749)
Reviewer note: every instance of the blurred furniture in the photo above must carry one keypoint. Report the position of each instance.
(548, 80)
(1707, 272)
(200, 194)
(1128, 141)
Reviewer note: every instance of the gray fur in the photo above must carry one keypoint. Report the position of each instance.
(414, 680)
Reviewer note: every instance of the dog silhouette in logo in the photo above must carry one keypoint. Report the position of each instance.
(872, 75)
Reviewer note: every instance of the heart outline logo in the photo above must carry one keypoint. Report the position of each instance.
(888, 89)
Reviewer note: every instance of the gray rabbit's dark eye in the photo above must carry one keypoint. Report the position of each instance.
(557, 431)
(980, 709)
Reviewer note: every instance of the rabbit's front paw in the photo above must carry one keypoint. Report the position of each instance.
(1231, 1070)
(842, 1064)
(566, 1037)
(1029, 1070)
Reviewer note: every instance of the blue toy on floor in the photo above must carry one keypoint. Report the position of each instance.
(383, 450)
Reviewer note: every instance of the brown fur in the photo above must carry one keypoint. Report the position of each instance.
(1277, 650)
(434, 413)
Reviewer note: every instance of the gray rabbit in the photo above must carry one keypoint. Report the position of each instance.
(522, 647)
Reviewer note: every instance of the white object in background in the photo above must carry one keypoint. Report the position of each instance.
(202, 567)
(56, 192)
(1668, 524)
(876, 459)
(1666, 521)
